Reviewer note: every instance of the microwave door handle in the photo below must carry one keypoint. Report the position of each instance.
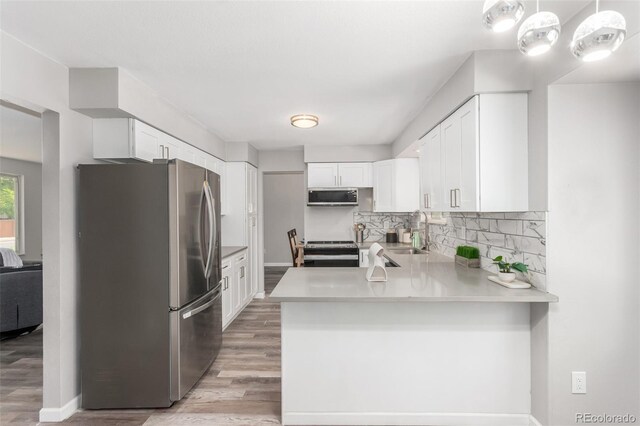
(212, 227)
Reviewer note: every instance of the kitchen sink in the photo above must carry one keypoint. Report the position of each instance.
(406, 251)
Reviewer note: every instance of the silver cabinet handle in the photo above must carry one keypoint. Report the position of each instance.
(340, 180)
(426, 205)
(167, 153)
(335, 180)
(451, 198)
(161, 151)
(242, 272)
(457, 194)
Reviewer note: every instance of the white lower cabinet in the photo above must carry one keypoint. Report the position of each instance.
(237, 290)
(227, 298)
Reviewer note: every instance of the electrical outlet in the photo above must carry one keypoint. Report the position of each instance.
(578, 382)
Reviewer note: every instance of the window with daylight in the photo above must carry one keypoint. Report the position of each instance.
(11, 214)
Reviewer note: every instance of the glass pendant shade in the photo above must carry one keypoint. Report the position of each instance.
(599, 36)
(538, 33)
(501, 15)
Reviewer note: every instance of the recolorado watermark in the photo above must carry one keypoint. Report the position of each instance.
(587, 418)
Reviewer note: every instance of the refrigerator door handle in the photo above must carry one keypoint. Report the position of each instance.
(199, 309)
(212, 228)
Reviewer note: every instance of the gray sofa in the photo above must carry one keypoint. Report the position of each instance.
(20, 299)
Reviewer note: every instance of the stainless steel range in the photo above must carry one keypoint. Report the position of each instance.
(330, 253)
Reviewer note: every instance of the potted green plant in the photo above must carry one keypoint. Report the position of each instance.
(505, 274)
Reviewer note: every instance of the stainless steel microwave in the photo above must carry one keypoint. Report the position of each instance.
(332, 197)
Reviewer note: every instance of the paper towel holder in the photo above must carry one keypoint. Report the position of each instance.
(376, 270)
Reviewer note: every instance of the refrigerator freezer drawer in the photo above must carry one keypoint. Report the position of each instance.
(196, 337)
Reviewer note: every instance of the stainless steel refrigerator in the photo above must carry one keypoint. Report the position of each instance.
(150, 300)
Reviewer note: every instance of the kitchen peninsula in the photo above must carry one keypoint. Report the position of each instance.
(437, 344)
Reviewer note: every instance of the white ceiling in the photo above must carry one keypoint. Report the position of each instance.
(20, 135)
(243, 68)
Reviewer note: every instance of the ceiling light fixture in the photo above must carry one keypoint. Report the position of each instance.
(501, 15)
(599, 35)
(304, 121)
(538, 32)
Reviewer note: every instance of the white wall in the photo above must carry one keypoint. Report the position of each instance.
(346, 153)
(32, 173)
(242, 151)
(593, 249)
(34, 81)
(284, 203)
(273, 161)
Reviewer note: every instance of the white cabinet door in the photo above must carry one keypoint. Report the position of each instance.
(240, 264)
(431, 171)
(227, 296)
(467, 194)
(354, 175)
(146, 141)
(452, 153)
(383, 186)
(172, 147)
(322, 175)
(222, 171)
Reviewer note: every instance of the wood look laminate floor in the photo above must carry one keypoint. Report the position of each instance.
(242, 387)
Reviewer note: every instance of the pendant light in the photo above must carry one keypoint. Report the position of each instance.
(501, 15)
(538, 32)
(599, 35)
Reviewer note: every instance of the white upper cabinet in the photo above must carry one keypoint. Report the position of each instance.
(396, 185)
(355, 175)
(322, 175)
(121, 139)
(431, 171)
(339, 175)
(476, 159)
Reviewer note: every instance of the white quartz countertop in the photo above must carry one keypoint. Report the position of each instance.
(231, 250)
(420, 278)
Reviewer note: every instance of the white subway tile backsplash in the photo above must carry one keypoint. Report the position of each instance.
(520, 237)
(534, 228)
(491, 238)
(513, 227)
(477, 224)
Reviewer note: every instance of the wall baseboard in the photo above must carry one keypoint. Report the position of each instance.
(259, 295)
(277, 264)
(426, 419)
(533, 421)
(62, 413)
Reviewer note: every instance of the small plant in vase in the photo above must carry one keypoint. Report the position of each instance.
(505, 274)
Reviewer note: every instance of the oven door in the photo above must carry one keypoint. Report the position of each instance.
(330, 260)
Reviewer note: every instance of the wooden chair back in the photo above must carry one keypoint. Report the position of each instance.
(296, 249)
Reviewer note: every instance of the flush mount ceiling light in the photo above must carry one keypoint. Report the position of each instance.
(304, 121)
(501, 15)
(538, 32)
(599, 35)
